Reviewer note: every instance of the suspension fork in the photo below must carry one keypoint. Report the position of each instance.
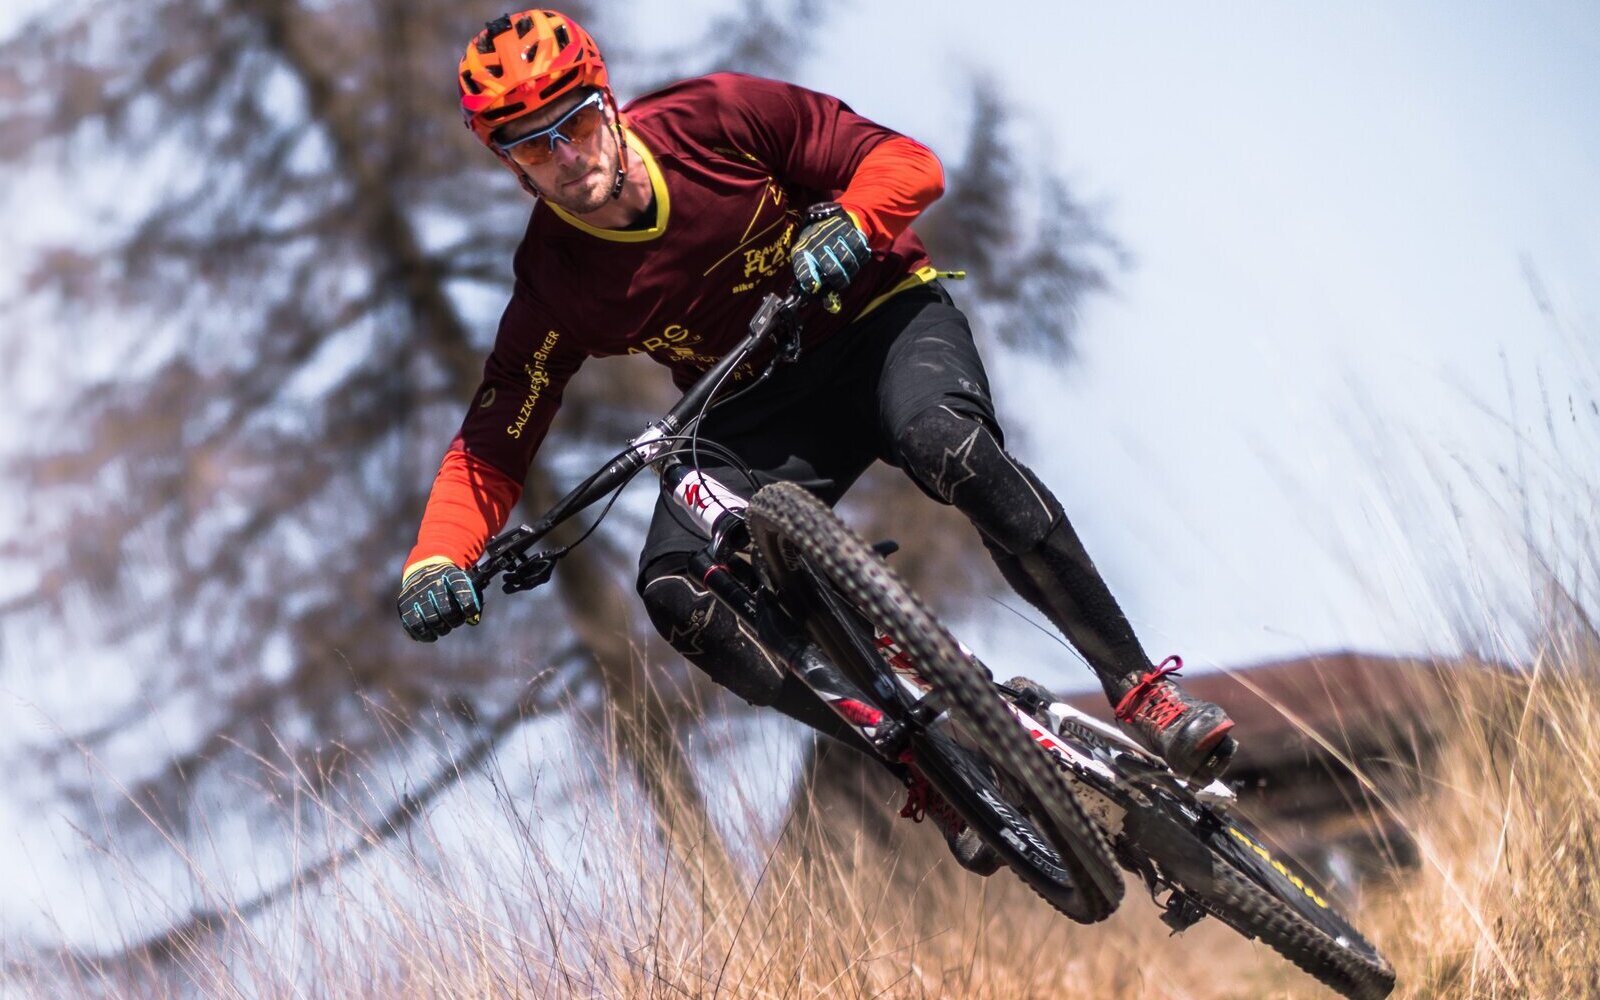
(782, 636)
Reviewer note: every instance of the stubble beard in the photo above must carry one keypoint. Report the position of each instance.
(595, 190)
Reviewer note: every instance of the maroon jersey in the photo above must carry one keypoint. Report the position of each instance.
(733, 160)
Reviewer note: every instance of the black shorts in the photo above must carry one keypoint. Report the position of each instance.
(823, 420)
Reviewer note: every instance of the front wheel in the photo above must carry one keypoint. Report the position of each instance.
(854, 605)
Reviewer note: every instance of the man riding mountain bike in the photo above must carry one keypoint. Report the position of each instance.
(657, 228)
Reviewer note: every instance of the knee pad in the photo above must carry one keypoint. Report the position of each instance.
(956, 459)
(709, 635)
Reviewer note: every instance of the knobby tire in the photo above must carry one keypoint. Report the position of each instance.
(793, 531)
(1255, 894)
(1259, 901)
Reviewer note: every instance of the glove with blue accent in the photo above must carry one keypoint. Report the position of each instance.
(829, 251)
(436, 596)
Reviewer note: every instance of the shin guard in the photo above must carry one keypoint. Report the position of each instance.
(713, 638)
(957, 459)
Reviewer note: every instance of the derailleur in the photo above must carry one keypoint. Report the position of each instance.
(1180, 912)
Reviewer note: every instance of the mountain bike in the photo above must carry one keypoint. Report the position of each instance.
(1067, 802)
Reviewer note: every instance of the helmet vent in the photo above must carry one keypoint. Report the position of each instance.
(504, 111)
(524, 25)
(471, 84)
(496, 71)
(560, 83)
(562, 38)
(492, 29)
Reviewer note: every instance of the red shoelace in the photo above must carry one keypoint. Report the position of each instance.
(1152, 700)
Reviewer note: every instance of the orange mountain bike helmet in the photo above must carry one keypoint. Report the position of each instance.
(522, 62)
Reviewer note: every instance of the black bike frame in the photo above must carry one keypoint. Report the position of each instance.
(720, 511)
(509, 554)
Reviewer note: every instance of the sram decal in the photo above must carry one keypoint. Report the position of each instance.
(1067, 758)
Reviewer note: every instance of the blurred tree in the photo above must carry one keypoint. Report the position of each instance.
(287, 312)
(282, 310)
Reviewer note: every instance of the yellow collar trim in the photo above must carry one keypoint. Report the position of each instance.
(658, 184)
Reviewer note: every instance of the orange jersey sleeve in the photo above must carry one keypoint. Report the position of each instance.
(470, 503)
(895, 182)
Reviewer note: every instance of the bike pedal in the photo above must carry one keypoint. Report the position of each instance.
(1216, 762)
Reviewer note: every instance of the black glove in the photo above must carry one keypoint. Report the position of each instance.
(436, 596)
(829, 250)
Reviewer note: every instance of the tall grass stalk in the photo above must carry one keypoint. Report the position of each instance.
(482, 898)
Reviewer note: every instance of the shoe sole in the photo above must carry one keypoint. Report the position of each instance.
(1216, 750)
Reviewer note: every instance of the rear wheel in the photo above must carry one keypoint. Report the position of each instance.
(1226, 870)
(1001, 782)
(1220, 867)
(1285, 910)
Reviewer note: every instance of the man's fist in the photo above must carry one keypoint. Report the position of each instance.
(829, 251)
(436, 595)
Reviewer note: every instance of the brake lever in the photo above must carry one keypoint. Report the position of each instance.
(508, 558)
(787, 339)
(530, 572)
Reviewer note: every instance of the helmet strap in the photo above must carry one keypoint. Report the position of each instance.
(622, 147)
(522, 175)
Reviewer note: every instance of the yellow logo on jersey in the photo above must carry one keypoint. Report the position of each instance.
(765, 261)
(538, 379)
(673, 342)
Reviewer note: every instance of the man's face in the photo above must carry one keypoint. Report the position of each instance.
(576, 170)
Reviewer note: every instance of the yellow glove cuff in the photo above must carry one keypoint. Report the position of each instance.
(422, 564)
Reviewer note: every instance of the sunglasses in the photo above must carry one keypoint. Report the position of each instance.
(576, 126)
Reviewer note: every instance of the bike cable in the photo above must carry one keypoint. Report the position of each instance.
(684, 446)
(778, 357)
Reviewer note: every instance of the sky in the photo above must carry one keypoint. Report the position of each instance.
(1355, 345)
(1334, 212)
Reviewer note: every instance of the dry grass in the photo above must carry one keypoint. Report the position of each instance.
(589, 904)
(1505, 903)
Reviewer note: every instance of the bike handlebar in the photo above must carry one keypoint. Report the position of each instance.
(508, 554)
